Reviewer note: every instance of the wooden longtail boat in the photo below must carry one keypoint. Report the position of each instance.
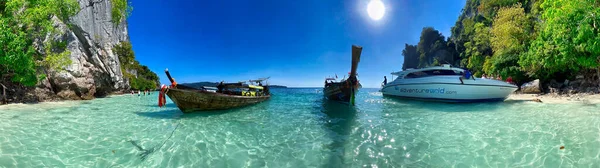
(228, 95)
(345, 90)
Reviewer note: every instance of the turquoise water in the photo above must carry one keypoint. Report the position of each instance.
(296, 128)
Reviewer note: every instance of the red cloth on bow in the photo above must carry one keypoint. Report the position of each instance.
(161, 96)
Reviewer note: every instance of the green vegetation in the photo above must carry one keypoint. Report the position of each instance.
(568, 41)
(523, 39)
(120, 10)
(145, 78)
(431, 50)
(23, 21)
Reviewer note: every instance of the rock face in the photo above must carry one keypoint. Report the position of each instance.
(587, 82)
(95, 70)
(532, 87)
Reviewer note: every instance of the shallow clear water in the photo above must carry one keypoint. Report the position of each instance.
(296, 128)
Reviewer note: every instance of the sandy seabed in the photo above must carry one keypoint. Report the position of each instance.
(554, 98)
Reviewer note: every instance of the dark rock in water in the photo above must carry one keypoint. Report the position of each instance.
(532, 87)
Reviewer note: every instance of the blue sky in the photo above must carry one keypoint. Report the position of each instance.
(296, 43)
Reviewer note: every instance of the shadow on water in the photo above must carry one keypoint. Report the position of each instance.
(338, 120)
(207, 113)
(175, 113)
(178, 114)
(165, 114)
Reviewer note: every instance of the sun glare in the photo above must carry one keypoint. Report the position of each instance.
(376, 9)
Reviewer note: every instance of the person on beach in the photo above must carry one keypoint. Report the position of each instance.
(509, 80)
(220, 87)
(483, 76)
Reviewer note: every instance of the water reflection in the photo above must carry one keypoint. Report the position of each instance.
(437, 106)
(339, 120)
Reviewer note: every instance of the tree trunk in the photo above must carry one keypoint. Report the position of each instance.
(3, 101)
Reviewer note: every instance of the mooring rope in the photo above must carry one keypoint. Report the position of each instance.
(147, 152)
(172, 132)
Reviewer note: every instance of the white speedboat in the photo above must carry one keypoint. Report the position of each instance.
(443, 83)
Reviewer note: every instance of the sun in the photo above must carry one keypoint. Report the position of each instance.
(376, 9)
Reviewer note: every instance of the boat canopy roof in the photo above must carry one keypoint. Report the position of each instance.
(329, 79)
(241, 85)
(255, 87)
(402, 74)
(260, 79)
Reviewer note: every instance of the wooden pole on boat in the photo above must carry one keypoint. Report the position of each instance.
(356, 51)
(169, 75)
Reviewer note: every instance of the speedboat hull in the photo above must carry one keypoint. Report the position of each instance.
(450, 89)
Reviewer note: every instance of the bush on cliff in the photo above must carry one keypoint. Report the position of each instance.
(21, 23)
(144, 78)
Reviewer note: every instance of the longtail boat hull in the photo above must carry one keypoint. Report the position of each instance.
(189, 99)
(340, 92)
(345, 90)
(198, 100)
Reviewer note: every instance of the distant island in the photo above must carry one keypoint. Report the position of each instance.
(214, 84)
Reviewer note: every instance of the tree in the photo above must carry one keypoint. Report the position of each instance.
(489, 8)
(21, 23)
(120, 10)
(478, 49)
(568, 41)
(124, 51)
(510, 35)
(411, 57)
(145, 79)
(430, 42)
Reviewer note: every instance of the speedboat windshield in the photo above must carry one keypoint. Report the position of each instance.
(433, 72)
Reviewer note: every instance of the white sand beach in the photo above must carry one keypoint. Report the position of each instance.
(554, 98)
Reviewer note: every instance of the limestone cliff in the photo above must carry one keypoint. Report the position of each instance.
(95, 70)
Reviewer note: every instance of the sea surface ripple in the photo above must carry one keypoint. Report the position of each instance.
(298, 128)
